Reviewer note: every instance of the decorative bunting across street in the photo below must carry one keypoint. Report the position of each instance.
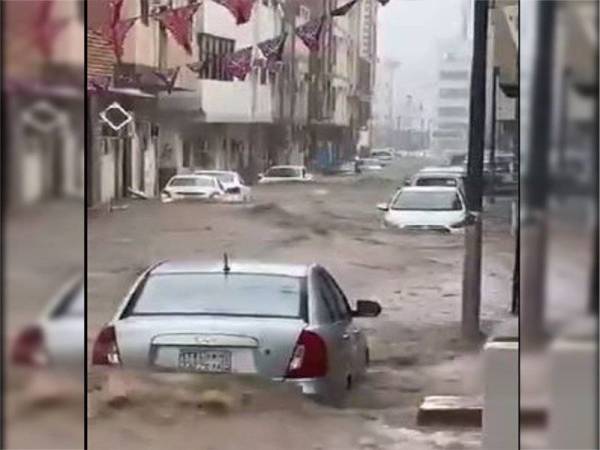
(310, 33)
(241, 9)
(179, 22)
(343, 10)
(238, 64)
(116, 30)
(168, 78)
(46, 29)
(272, 49)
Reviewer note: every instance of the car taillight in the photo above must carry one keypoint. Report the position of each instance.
(29, 349)
(309, 359)
(106, 351)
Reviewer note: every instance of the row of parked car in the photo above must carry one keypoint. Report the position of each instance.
(226, 186)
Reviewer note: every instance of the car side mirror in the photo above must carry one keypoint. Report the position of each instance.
(383, 207)
(261, 175)
(366, 308)
(406, 182)
(470, 218)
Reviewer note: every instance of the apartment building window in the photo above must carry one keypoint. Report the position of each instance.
(212, 49)
(145, 11)
(162, 47)
(454, 93)
(81, 10)
(454, 74)
(263, 75)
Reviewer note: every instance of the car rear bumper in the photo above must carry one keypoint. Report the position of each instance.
(318, 388)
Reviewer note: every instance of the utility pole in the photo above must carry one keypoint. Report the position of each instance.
(471, 295)
(535, 179)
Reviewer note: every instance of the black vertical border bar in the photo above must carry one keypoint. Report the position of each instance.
(596, 250)
(3, 197)
(517, 263)
(85, 222)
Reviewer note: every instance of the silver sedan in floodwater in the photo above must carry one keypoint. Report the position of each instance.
(284, 322)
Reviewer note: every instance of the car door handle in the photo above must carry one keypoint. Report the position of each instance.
(345, 336)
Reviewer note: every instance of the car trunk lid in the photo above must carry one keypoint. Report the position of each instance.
(244, 345)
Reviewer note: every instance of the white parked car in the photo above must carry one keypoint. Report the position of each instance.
(438, 178)
(285, 174)
(369, 165)
(382, 155)
(193, 187)
(427, 208)
(235, 188)
(56, 338)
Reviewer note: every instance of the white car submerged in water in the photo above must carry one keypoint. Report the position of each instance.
(435, 208)
(285, 174)
(193, 187)
(236, 191)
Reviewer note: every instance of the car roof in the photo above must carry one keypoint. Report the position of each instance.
(239, 267)
(214, 172)
(429, 189)
(287, 167)
(438, 174)
(192, 175)
(442, 169)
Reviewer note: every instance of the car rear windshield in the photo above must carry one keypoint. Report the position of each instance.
(436, 181)
(427, 201)
(72, 304)
(219, 294)
(191, 181)
(283, 172)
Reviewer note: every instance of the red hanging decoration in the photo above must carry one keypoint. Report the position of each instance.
(46, 29)
(272, 49)
(241, 9)
(168, 78)
(310, 33)
(197, 67)
(116, 30)
(179, 22)
(239, 64)
(99, 83)
(343, 10)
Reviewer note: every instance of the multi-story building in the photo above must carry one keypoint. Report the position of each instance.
(451, 124)
(211, 120)
(385, 108)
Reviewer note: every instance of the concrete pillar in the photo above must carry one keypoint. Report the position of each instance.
(501, 396)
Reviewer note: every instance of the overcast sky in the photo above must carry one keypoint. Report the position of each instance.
(409, 32)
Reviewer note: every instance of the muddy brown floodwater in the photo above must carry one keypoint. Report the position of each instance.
(415, 345)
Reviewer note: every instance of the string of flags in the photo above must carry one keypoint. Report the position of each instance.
(179, 23)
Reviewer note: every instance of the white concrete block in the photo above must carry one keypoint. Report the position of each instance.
(501, 396)
(572, 416)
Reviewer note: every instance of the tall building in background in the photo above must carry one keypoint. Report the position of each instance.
(451, 129)
(451, 123)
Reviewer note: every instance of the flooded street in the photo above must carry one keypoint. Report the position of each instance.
(415, 345)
